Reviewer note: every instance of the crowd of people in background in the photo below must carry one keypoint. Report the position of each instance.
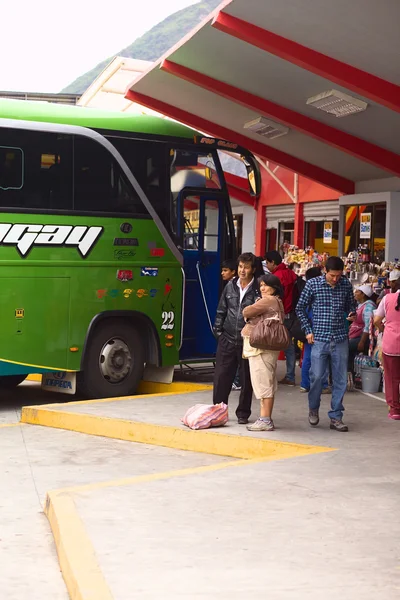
(323, 313)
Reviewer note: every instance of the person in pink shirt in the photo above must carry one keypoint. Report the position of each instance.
(388, 315)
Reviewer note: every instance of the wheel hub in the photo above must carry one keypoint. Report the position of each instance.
(115, 360)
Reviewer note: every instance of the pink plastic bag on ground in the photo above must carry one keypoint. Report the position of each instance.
(203, 416)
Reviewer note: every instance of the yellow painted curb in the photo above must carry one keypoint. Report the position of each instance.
(78, 562)
(150, 387)
(34, 377)
(171, 437)
(176, 387)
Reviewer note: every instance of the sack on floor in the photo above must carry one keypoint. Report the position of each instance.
(203, 416)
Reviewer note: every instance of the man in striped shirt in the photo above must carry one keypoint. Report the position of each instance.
(329, 297)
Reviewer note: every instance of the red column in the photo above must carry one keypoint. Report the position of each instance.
(261, 230)
(299, 225)
(313, 233)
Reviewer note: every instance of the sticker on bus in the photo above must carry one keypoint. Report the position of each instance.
(149, 271)
(168, 320)
(59, 381)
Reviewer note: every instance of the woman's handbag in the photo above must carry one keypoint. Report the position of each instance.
(270, 334)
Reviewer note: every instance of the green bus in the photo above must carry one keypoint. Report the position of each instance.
(112, 230)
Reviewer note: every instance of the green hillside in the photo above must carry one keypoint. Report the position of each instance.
(152, 44)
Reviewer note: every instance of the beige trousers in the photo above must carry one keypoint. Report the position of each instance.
(263, 374)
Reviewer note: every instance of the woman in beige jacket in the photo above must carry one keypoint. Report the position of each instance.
(263, 363)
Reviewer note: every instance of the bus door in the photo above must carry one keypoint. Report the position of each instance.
(203, 224)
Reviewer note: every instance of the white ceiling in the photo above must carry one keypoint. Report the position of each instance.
(361, 33)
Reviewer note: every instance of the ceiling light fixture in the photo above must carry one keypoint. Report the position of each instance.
(337, 103)
(267, 128)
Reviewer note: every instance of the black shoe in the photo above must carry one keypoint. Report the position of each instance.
(242, 421)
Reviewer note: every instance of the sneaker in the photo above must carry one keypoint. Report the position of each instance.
(286, 381)
(261, 425)
(313, 418)
(338, 425)
(327, 390)
(236, 388)
(242, 421)
(394, 414)
(304, 390)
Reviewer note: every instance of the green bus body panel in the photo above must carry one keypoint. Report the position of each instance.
(42, 331)
(94, 118)
(60, 292)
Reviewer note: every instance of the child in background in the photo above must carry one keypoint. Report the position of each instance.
(228, 272)
(306, 366)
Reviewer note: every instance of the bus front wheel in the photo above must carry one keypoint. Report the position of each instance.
(114, 361)
(8, 382)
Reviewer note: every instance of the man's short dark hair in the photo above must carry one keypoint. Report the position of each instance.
(247, 257)
(334, 263)
(313, 272)
(229, 264)
(273, 256)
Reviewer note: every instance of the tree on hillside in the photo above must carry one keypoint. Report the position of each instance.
(152, 44)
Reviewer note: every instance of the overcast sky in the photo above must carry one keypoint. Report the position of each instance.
(45, 46)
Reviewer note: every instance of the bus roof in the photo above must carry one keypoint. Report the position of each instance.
(46, 112)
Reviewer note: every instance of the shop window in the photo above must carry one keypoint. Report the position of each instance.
(286, 233)
(379, 231)
(323, 236)
(365, 225)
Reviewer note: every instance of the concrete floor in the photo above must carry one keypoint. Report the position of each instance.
(313, 527)
(34, 460)
(297, 529)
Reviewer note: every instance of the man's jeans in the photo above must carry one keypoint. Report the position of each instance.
(320, 353)
(306, 368)
(290, 355)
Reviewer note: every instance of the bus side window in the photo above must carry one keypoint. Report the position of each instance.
(11, 168)
(148, 164)
(35, 172)
(99, 184)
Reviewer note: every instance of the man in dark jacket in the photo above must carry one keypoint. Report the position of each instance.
(241, 291)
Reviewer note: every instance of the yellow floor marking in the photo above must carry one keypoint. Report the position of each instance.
(91, 487)
(10, 425)
(170, 437)
(77, 557)
(146, 390)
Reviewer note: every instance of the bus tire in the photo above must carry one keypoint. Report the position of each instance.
(8, 382)
(114, 361)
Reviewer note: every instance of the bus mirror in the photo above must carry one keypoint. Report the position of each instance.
(253, 175)
(208, 173)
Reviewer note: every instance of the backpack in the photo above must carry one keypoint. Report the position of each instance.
(298, 288)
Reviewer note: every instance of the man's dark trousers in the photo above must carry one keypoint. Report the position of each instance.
(228, 358)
